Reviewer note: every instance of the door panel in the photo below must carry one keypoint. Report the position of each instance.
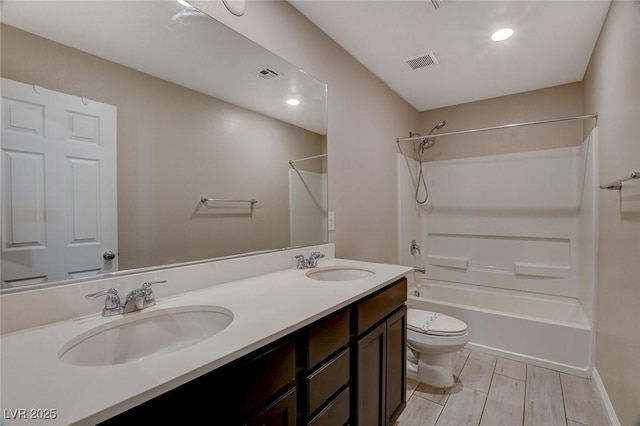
(24, 183)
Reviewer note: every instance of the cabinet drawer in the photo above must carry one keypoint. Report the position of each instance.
(265, 375)
(327, 337)
(336, 413)
(281, 412)
(327, 381)
(378, 306)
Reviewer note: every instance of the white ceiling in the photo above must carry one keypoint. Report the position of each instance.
(552, 44)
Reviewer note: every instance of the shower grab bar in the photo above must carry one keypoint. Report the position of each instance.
(618, 183)
(504, 126)
(204, 200)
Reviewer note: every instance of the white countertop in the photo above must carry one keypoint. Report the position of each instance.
(265, 308)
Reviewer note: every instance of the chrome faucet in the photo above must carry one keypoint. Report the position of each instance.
(136, 300)
(111, 304)
(311, 262)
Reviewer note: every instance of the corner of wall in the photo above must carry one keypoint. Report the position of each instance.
(604, 397)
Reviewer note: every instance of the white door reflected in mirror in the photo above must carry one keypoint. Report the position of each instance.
(59, 198)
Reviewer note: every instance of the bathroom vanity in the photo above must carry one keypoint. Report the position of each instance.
(298, 351)
(348, 367)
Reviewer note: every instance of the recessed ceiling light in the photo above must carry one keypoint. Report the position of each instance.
(502, 34)
(293, 102)
(184, 3)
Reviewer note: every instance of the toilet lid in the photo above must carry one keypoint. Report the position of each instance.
(434, 323)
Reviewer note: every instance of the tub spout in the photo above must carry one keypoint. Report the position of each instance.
(421, 269)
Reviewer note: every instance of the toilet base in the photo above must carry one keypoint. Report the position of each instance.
(433, 369)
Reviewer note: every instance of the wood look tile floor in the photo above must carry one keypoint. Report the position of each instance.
(494, 391)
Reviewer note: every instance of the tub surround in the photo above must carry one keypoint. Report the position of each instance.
(511, 248)
(265, 308)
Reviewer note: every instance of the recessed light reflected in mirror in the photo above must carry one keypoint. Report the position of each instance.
(502, 34)
(293, 102)
(184, 3)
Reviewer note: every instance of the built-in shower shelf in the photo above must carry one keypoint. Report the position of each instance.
(519, 268)
(541, 270)
(449, 261)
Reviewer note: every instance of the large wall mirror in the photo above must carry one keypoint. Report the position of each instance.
(140, 134)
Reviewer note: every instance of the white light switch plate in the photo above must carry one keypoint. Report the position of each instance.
(331, 221)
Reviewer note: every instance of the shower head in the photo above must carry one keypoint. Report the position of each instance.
(429, 142)
(438, 126)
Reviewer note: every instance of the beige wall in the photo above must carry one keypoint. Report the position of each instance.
(174, 147)
(612, 87)
(553, 102)
(365, 118)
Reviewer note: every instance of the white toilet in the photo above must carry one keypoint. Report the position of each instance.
(433, 338)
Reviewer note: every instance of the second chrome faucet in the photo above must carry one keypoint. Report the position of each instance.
(136, 300)
(311, 262)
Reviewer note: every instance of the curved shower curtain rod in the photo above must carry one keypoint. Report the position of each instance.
(305, 159)
(504, 126)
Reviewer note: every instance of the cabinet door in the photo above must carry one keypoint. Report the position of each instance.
(371, 371)
(396, 365)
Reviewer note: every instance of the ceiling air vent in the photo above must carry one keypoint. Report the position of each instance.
(267, 73)
(437, 4)
(424, 60)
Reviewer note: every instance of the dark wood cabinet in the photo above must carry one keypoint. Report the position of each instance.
(396, 385)
(281, 412)
(371, 373)
(327, 381)
(381, 357)
(328, 371)
(326, 337)
(337, 413)
(259, 388)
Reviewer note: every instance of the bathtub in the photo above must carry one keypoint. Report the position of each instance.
(547, 331)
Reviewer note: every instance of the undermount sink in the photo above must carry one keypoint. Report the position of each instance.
(339, 273)
(134, 338)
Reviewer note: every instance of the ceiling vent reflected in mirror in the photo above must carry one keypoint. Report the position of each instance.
(437, 4)
(267, 73)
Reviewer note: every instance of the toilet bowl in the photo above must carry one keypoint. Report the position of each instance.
(433, 338)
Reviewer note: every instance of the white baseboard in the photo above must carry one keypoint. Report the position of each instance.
(606, 402)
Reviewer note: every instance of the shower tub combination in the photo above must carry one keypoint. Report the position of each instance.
(509, 243)
(532, 328)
